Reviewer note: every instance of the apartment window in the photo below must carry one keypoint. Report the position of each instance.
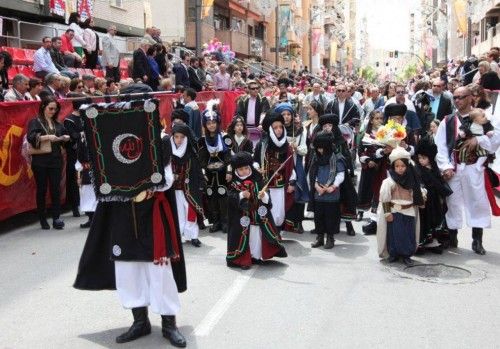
(250, 30)
(117, 3)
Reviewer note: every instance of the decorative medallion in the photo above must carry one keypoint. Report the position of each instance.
(117, 250)
(245, 221)
(91, 113)
(156, 177)
(105, 188)
(127, 148)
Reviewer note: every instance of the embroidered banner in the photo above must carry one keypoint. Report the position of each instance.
(125, 148)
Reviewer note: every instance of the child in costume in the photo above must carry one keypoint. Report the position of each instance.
(270, 154)
(252, 234)
(187, 183)
(400, 197)
(432, 215)
(325, 177)
(479, 126)
(237, 136)
(214, 158)
(297, 139)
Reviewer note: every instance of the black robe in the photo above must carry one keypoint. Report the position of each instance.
(246, 144)
(112, 236)
(259, 213)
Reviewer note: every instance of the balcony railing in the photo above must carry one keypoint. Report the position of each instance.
(239, 42)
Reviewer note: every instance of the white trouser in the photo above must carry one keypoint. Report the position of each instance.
(278, 202)
(189, 230)
(255, 242)
(88, 201)
(469, 193)
(142, 284)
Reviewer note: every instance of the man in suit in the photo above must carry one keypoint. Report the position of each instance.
(140, 65)
(343, 106)
(111, 55)
(441, 106)
(181, 71)
(194, 80)
(52, 84)
(252, 107)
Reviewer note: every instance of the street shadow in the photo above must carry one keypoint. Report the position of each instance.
(348, 251)
(271, 269)
(296, 249)
(107, 338)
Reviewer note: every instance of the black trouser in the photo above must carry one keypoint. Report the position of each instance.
(217, 206)
(53, 177)
(72, 190)
(90, 59)
(327, 218)
(113, 73)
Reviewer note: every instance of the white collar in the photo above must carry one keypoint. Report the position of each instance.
(240, 177)
(239, 139)
(218, 148)
(181, 150)
(276, 141)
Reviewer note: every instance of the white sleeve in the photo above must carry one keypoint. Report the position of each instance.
(379, 153)
(265, 199)
(385, 190)
(442, 157)
(169, 178)
(339, 179)
(293, 176)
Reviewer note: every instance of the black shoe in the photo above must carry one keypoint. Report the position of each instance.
(319, 241)
(312, 231)
(330, 242)
(256, 261)
(86, 225)
(76, 212)
(45, 225)
(141, 326)
(408, 261)
(392, 259)
(58, 224)
(171, 332)
(300, 229)
(477, 246)
(196, 242)
(350, 229)
(359, 216)
(453, 238)
(370, 228)
(215, 227)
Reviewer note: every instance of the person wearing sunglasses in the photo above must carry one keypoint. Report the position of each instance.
(252, 107)
(441, 106)
(47, 166)
(343, 105)
(465, 176)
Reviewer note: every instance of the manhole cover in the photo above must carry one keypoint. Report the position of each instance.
(439, 273)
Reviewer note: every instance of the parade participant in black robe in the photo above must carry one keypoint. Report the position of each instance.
(252, 234)
(73, 124)
(214, 158)
(237, 136)
(348, 196)
(135, 247)
(187, 183)
(270, 153)
(432, 215)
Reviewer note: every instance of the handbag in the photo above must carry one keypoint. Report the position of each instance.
(45, 146)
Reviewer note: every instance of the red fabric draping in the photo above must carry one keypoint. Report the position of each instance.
(17, 186)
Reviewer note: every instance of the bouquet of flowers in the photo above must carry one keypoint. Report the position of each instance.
(391, 134)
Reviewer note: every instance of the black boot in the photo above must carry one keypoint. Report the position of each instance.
(171, 332)
(477, 241)
(300, 229)
(330, 242)
(370, 228)
(196, 242)
(453, 237)
(350, 229)
(320, 241)
(76, 212)
(141, 326)
(89, 222)
(215, 227)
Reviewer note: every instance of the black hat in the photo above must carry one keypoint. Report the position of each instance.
(329, 119)
(394, 109)
(324, 140)
(184, 129)
(270, 118)
(426, 148)
(241, 159)
(180, 114)
(490, 81)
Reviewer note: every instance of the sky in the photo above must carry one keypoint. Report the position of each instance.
(388, 22)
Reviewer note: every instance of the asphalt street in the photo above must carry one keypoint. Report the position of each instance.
(315, 298)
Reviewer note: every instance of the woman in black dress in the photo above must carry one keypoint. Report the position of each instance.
(47, 167)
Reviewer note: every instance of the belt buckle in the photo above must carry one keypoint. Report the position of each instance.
(398, 207)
